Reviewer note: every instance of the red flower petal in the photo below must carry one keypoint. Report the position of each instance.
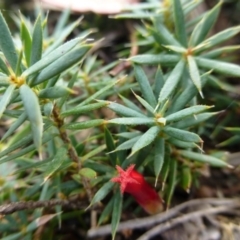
(134, 183)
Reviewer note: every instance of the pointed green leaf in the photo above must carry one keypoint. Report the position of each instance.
(182, 144)
(24, 151)
(137, 15)
(219, 38)
(6, 97)
(106, 212)
(163, 109)
(195, 120)
(32, 108)
(128, 135)
(3, 66)
(179, 22)
(145, 104)
(24, 141)
(89, 64)
(4, 80)
(203, 158)
(102, 193)
(186, 113)
(127, 144)
(85, 124)
(62, 37)
(37, 41)
(56, 54)
(66, 61)
(162, 35)
(52, 82)
(13, 113)
(99, 92)
(26, 42)
(123, 111)
(132, 121)
(186, 178)
(147, 138)
(93, 153)
(235, 130)
(18, 69)
(144, 85)
(158, 82)
(122, 155)
(220, 52)
(159, 152)
(54, 92)
(172, 180)
(39, 222)
(62, 21)
(44, 192)
(116, 213)
(229, 69)
(104, 69)
(22, 118)
(14, 236)
(176, 49)
(194, 73)
(171, 82)
(48, 108)
(110, 146)
(79, 147)
(98, 167)
(165, 170)
(202, 29)
(164, 59)
(84, 109)
(189, 92)
(182, 134)
(234, 140)
(130, 104)
(7, 44)
(70, 85)
(55, 164)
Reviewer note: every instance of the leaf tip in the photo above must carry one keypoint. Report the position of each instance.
(130, 155)
(162, 121)
(230, 166)
(156, 180)
(201, 94)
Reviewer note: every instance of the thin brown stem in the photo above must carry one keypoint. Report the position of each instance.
(71, 150)
(72, 203)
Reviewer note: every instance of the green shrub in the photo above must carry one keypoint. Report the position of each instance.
(54, 95)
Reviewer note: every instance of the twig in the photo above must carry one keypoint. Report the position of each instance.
(71, 150)
(161, 217)
(186, 217)
(18, 206)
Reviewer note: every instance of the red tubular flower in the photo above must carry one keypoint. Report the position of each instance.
(134, 183)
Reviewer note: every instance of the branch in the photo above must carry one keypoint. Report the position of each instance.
(73, 203)
(71, 150)
(182, 219)
(161, 217)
